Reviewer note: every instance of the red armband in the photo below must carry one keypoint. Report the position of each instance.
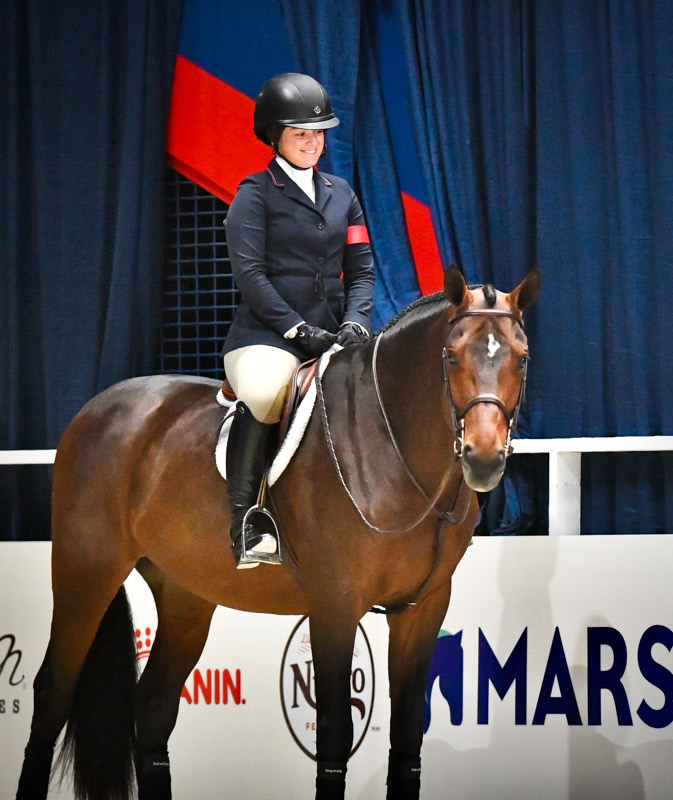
(357, 234)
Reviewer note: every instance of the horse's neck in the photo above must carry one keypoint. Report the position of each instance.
(375, 471)
(410, 370)
(409, 367)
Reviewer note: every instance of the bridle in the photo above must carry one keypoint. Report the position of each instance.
(458, 414)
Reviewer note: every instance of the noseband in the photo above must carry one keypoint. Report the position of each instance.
(458, 414)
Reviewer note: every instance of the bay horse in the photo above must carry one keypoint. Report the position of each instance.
(406, 428)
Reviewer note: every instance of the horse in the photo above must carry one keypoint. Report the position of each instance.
(406, 429)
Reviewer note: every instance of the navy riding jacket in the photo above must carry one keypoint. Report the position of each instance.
(295, 260)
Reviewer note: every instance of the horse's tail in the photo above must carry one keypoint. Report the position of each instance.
(99, 738)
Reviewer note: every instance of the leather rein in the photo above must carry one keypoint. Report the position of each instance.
(456, 515)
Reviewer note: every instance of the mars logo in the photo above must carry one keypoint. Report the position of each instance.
(208, 686)
(608, 684)
(297, 688)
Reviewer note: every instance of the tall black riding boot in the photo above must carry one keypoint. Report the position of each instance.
(247, 456)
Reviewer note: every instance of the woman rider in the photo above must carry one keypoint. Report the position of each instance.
(302, 262)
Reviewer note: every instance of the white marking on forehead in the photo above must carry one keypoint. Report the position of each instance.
(493, 345)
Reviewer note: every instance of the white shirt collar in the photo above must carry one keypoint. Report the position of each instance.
(302, 177)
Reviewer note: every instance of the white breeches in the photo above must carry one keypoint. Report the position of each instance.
(260, 375)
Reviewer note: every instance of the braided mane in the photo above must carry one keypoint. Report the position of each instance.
(434, 298)
(421, 301)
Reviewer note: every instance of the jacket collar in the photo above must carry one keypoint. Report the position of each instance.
(283, 181)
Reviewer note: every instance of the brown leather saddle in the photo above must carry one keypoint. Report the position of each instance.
(302, 378)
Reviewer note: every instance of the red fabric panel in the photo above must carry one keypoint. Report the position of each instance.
(423, 245)
(210, 136)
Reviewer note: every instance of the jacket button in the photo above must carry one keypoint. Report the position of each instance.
(321, 260)
(321, 225)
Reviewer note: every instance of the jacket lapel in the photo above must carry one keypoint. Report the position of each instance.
(289, 188)
(323, 187)
(323, 191)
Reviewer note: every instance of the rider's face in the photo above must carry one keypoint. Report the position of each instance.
(301, 147)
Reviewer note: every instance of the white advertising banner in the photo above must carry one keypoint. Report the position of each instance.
(552, 678)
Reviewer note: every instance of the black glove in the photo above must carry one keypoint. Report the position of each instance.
(349, 333)
(314, 340)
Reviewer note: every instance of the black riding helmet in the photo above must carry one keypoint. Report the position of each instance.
(295, 101)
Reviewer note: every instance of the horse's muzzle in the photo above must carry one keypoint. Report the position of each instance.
(482, 473)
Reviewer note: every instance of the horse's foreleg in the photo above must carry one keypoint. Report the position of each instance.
(183, 623)
(413, 635)
(332, 639)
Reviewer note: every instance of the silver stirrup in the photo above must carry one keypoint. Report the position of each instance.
(266, 551)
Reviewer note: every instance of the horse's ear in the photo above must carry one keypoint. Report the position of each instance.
(527, 291)
(455, 287)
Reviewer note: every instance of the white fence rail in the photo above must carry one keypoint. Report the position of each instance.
(565, 468)
(27, 456)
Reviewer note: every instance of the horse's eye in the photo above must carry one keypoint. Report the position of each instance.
(451, 357)
(523, 361)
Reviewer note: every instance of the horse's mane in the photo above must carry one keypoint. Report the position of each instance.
(420, 302)
(429, 299)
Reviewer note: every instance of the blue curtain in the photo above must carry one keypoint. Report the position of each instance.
(604, 156)
(466, 80)
(85, 95)
(547, 126)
